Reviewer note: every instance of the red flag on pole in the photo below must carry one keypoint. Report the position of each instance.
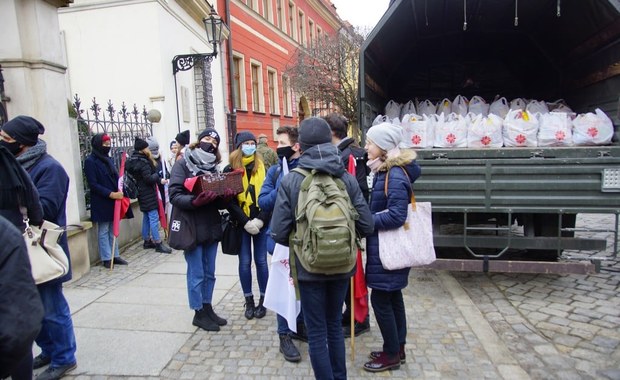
(160, 210)
(120, 205)
(360, 291)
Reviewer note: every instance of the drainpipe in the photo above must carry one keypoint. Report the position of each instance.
(232, 111)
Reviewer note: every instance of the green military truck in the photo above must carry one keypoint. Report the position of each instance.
(505, 209)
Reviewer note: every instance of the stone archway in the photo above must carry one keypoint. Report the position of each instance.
(303, 109)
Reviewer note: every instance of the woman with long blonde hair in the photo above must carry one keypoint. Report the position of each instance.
(249, 215)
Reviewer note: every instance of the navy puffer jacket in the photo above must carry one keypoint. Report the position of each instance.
(389, 212)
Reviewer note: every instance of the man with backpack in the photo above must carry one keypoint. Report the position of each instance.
(319, 213)
(348, 147)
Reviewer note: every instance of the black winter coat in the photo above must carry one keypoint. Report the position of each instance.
(102, 181)
(348, 147)
(207, 217)
(147, 179)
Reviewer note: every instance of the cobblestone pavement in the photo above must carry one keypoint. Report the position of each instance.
(460, 326)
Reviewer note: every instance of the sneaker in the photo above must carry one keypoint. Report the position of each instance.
(382, 363)
(54, 373)
(360, 328)
(162, 248)
(40, 361)
(106, 264)
(378, 354)
(204, 322)
(148, 244)
(119, 261)
(288, 349)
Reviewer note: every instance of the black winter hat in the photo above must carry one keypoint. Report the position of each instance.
(210, 132)
(24, 129)
(140, 144)
(314, 131)
(183, 137)
(242, 137)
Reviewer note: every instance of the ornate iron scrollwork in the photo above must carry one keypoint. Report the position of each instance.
(187, 61)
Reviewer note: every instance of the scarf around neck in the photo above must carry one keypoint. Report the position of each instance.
(198, 161)
(32, 155)
(255, 181)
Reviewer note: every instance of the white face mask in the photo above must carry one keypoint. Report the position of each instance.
(248, 150)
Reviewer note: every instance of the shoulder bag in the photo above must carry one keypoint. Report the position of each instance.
(182, 234)
(411, 244)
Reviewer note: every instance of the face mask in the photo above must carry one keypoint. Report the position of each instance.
(248, 150)
(285, 152)
(11, 147)
(207, 147)
(105, 150)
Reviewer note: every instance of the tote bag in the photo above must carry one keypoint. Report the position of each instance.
(182, 230)
(231, 235)
(411, 244)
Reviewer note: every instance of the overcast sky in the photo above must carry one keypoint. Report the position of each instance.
(363, 13)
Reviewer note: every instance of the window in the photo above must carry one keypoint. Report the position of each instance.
(267, 10)
(272, 82)
(311, 30)
(286, 96)
(253, 4)
(292, 23)
(302, 32)
(238, 83)
(319, 35)
(280, 15)
(258, 103)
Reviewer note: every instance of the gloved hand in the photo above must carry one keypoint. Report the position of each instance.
(251, 228)
(204, 198)
(228, 195)
(258, 223)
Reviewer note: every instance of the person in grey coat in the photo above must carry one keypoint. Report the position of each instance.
(322, 296)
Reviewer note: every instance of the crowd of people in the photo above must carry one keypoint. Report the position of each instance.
(266, 211)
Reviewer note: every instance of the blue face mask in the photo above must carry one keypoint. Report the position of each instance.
(248, 150)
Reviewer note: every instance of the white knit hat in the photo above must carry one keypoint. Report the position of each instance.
(386, 136)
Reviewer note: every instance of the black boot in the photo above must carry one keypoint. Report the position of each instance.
(288, 349)
(211, 314)
(249, 307)
(202, 320)
(163, 248)
(260, 310)
(148, 244)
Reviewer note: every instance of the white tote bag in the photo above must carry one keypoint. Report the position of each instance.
(410, 245)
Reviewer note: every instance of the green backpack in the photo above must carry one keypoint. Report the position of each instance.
(324, 239)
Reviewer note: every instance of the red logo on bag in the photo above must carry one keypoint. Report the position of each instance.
(416, 140)
(560, 135)
(486, 140)
(520, 139)
(451, 138)
(593, 132)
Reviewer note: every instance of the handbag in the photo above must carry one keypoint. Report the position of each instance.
(231, 235)
(182, 233)
(411, 244)
(48, 261)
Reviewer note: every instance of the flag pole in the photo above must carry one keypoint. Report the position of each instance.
(352, 320)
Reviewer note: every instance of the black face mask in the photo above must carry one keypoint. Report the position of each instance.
(13, 147)
(207, 147)
(285, 152)
(105, 150)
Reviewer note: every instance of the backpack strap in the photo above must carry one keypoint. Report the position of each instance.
(291, 253)
(385, 187)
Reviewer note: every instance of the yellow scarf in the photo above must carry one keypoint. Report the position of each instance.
(255, 179)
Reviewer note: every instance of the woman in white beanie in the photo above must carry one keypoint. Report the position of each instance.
(394, 173)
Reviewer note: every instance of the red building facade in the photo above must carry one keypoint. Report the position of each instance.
(265, 35)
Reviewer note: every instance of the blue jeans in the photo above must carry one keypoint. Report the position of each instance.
(200, 274)
(150, 226)
(322, 303)
(105, 237)
(260, 260)
(389, 309)
(283, 324)
(56, 338)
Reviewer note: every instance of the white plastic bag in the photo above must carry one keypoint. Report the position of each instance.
(518, 104)
(485, 132)
(592, 128)
(460, 105)
(499, 107)
(520, 129)
(478, 106)
(445, 107)
(451, 131)
(427, 108)
(392, 109)
(408, 109)
(418, 131)
(535, 106)
(555, 129)
(380, 119)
